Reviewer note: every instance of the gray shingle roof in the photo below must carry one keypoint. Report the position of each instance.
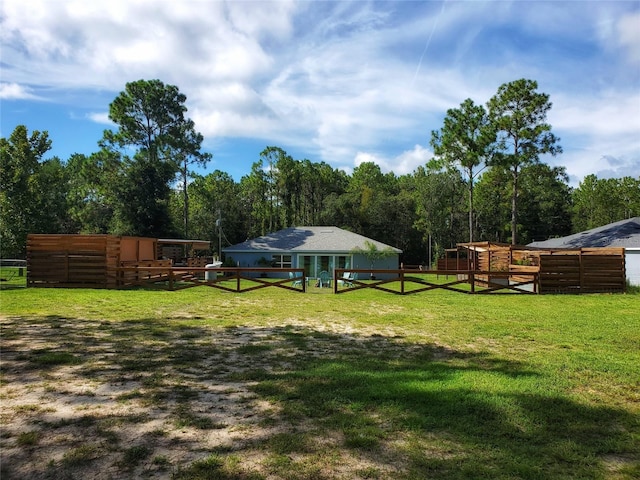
(625, 233)
(308, 239)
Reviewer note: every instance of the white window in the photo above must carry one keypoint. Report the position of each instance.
(281, 261)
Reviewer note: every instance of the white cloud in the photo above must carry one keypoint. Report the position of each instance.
(594, 130)
(338, 80)
(628, 30)
(106, 44)
(405, 163)
(259, 19)
(14, 91)
(610, 113)
(100, 117)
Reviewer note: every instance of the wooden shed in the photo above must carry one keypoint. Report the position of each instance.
(563, 270)
(84, 260)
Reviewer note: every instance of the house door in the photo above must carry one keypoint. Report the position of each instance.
(314, 264)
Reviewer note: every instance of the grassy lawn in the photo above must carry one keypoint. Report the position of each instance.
(12, 277)
(204, 384)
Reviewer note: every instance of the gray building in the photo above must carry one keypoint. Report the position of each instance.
(315, 249)
(624, 234)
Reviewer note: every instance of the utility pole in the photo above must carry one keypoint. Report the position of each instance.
(219, 225)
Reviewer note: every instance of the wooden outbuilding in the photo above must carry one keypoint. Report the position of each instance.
(563, 270)
(92, 261)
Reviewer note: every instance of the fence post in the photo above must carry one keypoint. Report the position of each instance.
(402, 282)
(472, 279)
(171, 279)
(237, 279)
(581, 270)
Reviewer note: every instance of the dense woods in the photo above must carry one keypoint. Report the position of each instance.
(486, 182)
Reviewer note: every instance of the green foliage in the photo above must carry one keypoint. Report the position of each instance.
(374, 205)
(150, 118)
(518, 113)
(134, 455)
(144, 191)
(372, 252)
(55, 358)
(597, 202)
(545, 203)
(544, 200)
(493, 195)
(209, 195)
(467, 140)
(93, 190)
(23, 188)
(440, 214)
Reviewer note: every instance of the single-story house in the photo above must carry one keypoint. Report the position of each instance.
(315, 249)
(625, 234)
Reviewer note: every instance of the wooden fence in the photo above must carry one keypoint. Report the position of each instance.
(72, 261)
(230, 279)
(406, 282)
(105, 261)
(90, 261)
(587, 270)
(453, 263)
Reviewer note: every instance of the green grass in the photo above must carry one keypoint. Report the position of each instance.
(13, 277)
(360, 385)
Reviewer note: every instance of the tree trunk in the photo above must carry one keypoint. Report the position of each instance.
(185, 208)
(514, 207)
(470, 208)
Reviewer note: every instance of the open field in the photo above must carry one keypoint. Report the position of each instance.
(203, 384)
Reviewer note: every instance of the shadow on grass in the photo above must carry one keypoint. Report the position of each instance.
(348, 405)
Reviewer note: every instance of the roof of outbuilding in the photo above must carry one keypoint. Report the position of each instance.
(308, 239)
(625, 233)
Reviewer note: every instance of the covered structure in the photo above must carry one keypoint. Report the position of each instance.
(623, 234)
(184, 252)
(93, 261)
(579, 270)
(315, 249)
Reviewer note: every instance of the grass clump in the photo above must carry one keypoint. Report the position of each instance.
(80, 456)
(215, 467)
(47, 358)
(28, 439)
(133, 456)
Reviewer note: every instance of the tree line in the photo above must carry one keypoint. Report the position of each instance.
(485, 182)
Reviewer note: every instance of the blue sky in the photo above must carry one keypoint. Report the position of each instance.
(340, 82)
